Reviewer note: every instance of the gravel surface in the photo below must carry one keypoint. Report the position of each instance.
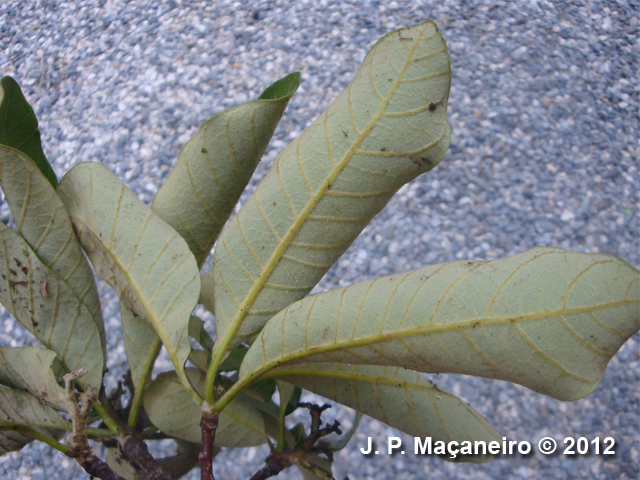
(544, 112)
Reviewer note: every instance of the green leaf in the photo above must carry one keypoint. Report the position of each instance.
(199, 334)
(200, 359)
(215, 166)
(44, 223)
(286, 391)
(337, 444)
(18, 408)
(314, 467)
(31, 369)
(283, 88)
(389, 126)
(206, 292)
(167, 404)
(400, 398)
(138, 254)
(19, 127)
(48, 308)
(548, 319)
(234, 359)
(140, 344)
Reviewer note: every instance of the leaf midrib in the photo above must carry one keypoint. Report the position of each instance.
(357, 377)
(157, 325)
(243, 309)
(423, 330)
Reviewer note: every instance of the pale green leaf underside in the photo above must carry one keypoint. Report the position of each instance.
(22, 408)
(215, 166)
(139, 340)
(31, 369)
(58, 318)
(400, 398)
(169, 408)
(138, 254)
(548, 319)
(43, 221)
(389, 126)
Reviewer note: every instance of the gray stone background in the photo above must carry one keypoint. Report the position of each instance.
(544, 113)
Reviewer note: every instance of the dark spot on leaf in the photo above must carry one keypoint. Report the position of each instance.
(476, 324)
(135, 314)
(18, 262)
(204, 150)
(432, 107)
(14, 284)
(25, 270)
(383, 149)
(13, 272)
(420, 161)
(34, 323)
(345, 133)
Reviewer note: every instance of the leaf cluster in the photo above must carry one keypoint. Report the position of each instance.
(548, 319)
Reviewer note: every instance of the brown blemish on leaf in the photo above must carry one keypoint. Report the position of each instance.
(14, 284)
(43, 289)
(420, 161)
(17, 262)
(383, 149)
(25, 270)
(13, 272)
(344, 133)
(432, 107)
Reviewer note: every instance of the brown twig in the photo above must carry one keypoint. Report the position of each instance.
(278, 461)
(208, 425)
(134, 448)
(81, 450)
(274, 464)
(311, 444)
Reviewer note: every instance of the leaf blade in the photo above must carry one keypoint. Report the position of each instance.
(22, 408)
(19, 127)
(44, 223)
(148, 264)
(400, 398)
(31, 369)
(167, 404)
(548, 319)
(313, 205)
(44, 303)
(216, 164)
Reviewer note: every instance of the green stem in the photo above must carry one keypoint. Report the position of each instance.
(147, 367)
(98, 433)
(233, 392)
(218, 356)
(35, 434)
(108, 416)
